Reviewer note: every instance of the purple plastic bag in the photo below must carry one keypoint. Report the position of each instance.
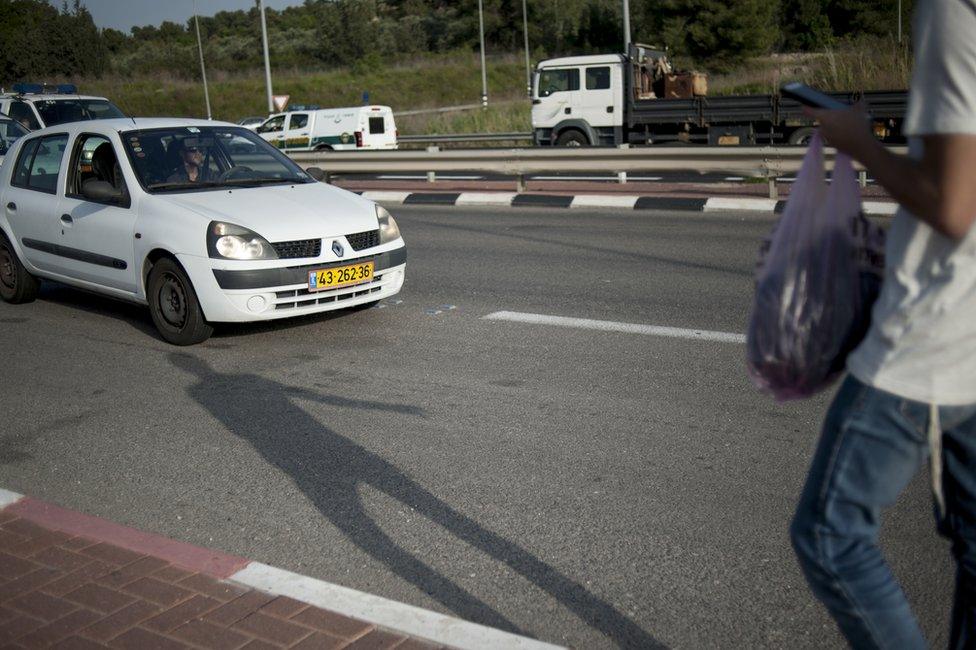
(817, 277)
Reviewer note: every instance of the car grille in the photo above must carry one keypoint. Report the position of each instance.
(299, 298)
(362, 240)
(301, 248)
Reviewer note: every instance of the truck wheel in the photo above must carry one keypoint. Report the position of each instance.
(802, 136)
(572, 139)
(174, 306)
(16, 284)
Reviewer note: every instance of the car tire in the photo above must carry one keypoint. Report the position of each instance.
(802, 136)
(572, 139)
(323, 147)
(174, 305)
(17, 285)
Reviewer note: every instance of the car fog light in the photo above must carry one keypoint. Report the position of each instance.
(256, 303)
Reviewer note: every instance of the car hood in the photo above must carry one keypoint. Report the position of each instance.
(283, 212)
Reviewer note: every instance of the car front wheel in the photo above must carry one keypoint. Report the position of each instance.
(16, 284)
(174, 305)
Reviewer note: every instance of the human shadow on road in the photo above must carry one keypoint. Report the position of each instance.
(329, 468)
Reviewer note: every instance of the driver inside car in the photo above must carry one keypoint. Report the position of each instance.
(191, 168)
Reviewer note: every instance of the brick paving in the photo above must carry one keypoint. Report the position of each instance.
(65, 592)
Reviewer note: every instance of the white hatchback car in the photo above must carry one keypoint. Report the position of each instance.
(205, 222)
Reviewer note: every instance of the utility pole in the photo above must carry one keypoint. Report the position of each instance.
(203, 68)
(484, 74)
(267, 61)
(626, 26)
(525, 32)
(899, 21)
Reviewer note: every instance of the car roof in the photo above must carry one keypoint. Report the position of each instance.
(47, 96)
(126, 124)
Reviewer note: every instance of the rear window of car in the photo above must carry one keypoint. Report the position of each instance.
(39, 163)
(377, 125)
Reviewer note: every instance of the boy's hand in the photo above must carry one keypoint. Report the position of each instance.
(847, 130)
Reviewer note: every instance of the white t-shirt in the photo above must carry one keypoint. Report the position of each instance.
(922, 341)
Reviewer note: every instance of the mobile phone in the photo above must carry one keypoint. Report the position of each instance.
(810, 97)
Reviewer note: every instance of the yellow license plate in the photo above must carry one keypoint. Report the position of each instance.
(340, 276)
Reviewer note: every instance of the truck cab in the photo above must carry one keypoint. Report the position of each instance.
(36, 106)
(578, 100)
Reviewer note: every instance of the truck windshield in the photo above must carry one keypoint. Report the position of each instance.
(59, 111)
(186, 159)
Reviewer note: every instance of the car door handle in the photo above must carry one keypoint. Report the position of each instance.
(66, 218)
(11, 206)
(568, 111)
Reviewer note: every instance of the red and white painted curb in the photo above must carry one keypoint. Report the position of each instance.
(389, 614)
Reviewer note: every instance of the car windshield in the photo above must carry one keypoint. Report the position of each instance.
(10, 131)
(60, 111)
(182, 159)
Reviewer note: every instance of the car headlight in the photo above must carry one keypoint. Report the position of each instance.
(388, 225)
(230, 242)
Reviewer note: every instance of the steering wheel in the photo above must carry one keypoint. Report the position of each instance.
(228, 174)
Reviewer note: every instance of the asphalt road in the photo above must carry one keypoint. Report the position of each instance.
(592, 488)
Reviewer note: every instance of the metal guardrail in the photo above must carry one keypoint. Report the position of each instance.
(468, 137)
(764, 162)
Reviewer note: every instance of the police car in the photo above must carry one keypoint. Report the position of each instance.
(36, 106)
(202, 221)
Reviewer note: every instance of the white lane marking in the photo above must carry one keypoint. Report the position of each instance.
(879, 207)
(593, 178)
(613, 326)
(445, 177)
(485, 198)
(724, 203)
(406, 619)
(388, 197)
(603, 201)
(735, 178)
(8, 498)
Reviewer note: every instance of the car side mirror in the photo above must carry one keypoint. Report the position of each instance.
(101, 191)
(317, 173)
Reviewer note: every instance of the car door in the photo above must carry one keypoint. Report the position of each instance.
(99, 236)
(297, 132)
(273, 130)
(31, 201)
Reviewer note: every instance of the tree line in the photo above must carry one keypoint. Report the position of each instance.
(38, 39)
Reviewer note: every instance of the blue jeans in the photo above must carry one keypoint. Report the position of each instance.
(872, 445)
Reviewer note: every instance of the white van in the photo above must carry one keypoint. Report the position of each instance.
(326, 129)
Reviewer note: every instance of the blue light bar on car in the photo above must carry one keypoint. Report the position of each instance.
(23, 88)
(67, 89)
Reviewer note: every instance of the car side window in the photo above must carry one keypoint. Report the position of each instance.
(41, 172)
(298, 121)
(273, 125)
(95, 159)
(24, 160)
(598, 78)
(21, 111)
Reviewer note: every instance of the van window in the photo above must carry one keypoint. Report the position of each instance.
(298, 121)
(555, 81)
(273, 125)
(41, 172)
(377, 125)
(598, 78)
(21, 111)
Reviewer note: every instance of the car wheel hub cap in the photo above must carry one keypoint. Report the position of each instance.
(7, 276)
(172, 302)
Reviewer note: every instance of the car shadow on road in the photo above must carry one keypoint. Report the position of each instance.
(329, 468)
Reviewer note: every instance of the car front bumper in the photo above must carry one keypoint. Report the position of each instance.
(233, 295)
